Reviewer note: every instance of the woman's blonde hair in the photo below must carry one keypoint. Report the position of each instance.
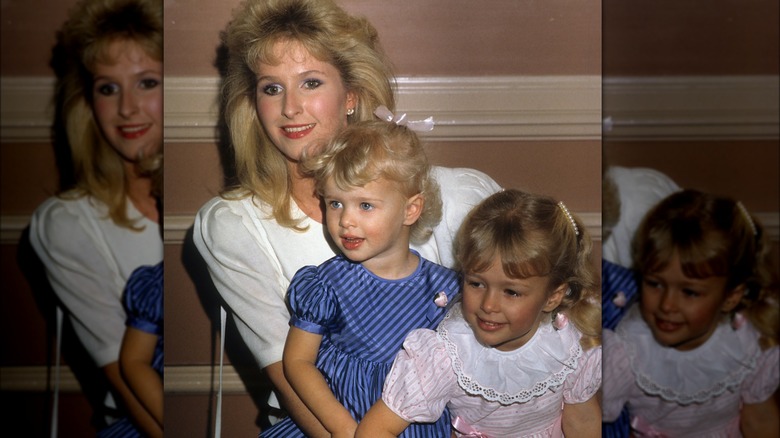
(84, 42)
(327, 32)
(713, 236)
(367, 151)
(533, 236)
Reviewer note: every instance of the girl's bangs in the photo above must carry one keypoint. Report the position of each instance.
(700, 256)
(520, 257)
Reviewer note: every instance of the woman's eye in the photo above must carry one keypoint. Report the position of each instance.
(272, 89)
(149, 83)
(365, 206)
(312, 83)
(107, 89)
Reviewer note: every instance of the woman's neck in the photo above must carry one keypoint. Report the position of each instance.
(139, 190)
(304, 195)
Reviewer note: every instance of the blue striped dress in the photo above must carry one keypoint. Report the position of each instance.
(364, 320)
(144, 305)
(143, 302)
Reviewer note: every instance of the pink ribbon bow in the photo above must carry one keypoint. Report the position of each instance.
(441, 299)
(415, 125)
(467, 430)
(644, 428)
(620, 299)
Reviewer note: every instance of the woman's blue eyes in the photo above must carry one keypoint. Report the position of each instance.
(276, 89)
(112, 88)
(272, 90)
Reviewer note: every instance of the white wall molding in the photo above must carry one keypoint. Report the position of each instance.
(486, 108)
(465, 108)
(26, 108)
(691, 108)
(175, 227)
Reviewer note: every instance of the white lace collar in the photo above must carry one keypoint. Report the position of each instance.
(513, 376)
(694, 376)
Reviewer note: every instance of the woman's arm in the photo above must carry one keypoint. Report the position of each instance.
(760, 419)
(140, 417)
(380, 422)
(300, 355)
(582, 419)
(135, 360)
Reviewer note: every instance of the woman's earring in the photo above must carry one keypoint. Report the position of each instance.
(350, 111)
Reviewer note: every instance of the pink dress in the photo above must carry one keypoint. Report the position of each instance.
(519, 393)
(685, 393)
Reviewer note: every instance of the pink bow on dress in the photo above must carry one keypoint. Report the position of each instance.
(645, 429)
(467, 430)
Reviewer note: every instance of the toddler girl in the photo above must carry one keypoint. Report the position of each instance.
(350, 315)
(520, 355)
(698, 354)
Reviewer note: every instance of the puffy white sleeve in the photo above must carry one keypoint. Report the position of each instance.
(421, 381)
(84, 276)
(763, 382)
(583, 384)
(639, 189)
(461, 190)
(247, 274)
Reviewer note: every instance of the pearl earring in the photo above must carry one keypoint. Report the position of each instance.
(350, 111)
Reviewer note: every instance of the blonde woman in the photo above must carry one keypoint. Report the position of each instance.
(298, 72)
(93, 235)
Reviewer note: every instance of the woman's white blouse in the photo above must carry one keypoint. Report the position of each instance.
(88, 259)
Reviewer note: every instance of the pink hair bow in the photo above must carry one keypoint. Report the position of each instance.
(415, 125)
(560, 321)
(466, 430)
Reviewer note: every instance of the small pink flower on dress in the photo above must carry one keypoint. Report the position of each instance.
(441, 299)
(738, 321)
(620, 299)
(560, 321)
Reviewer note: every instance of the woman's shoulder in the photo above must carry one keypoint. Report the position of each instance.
(218, 206)
(226, 218)
(70, 204)
(62, 218)
(462, 181)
